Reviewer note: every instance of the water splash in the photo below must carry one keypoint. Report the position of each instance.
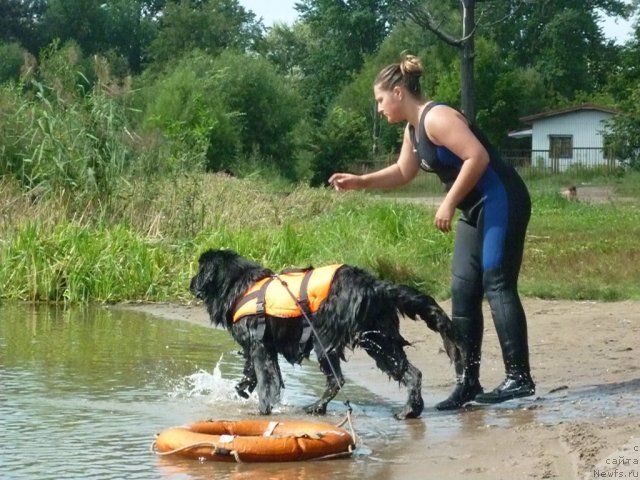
(215, 389)
(202, 383)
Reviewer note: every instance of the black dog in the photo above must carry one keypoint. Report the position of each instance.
(359, 311)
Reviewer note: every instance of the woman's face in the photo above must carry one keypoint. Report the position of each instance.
(389, 103)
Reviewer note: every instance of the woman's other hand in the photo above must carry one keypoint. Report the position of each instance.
(444, 216)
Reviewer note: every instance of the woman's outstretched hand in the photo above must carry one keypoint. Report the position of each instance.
(345, 181)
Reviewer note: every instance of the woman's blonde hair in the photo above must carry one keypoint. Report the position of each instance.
(405, 73)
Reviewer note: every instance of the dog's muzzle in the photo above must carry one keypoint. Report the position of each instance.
(194, 290)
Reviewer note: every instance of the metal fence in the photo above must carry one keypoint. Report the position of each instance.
(584, 162)
(545, 162)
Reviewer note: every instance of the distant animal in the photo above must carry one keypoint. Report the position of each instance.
(346, 307)
(571, 193)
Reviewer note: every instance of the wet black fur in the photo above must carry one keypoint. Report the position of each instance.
(360, 311)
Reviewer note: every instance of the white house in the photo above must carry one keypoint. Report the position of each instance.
(568, 136)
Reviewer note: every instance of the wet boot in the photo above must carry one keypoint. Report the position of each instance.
(465, 391)
(515, 385)
(469, 337)
(511, 327)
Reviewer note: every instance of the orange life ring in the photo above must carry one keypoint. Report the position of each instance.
(255, 441)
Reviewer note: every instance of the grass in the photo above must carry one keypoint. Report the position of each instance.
(582, 251)
(143, 243)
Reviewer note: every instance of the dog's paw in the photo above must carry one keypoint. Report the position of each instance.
(240, 391)
(405, 414)
(318, 408)
(410, 411)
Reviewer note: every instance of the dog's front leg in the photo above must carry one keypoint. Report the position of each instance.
(412, 378)
(249, 380)
(330, 366)
(267, 372)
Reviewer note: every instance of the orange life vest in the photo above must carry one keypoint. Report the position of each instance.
(272, 297)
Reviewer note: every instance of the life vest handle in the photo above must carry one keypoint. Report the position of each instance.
(297, 270)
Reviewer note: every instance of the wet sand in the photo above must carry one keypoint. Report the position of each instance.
(584, 421)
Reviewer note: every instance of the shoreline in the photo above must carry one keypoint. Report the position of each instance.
(584, 357)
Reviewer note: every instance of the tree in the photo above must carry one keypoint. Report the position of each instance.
(270, 109)
(339, 35)
(18, 21)
(563, 40)
(541, 18)
(130, 28)
(423, 14)
(505, 92)
(286, 47)
(83, 21)
(622, 137)
(357, 95)
(119, 29)
(208, 25)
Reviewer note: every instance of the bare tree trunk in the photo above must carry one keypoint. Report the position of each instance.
(418, 11)
(467, 61)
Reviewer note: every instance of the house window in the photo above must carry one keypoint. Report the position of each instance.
(560, 146)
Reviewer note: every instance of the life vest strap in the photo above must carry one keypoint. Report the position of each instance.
(258, 332)
(307, 328)
(304, 294)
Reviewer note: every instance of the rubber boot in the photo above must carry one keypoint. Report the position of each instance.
(466, 390)
(511, 327)
(469, 337)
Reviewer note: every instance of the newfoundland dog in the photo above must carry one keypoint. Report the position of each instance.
(345, 307)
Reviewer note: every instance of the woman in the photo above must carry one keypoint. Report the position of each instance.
(495, 209)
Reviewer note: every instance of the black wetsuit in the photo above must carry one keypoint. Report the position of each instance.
(488, 251)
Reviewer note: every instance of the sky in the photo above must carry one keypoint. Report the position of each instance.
(272, 11)
(284, 11)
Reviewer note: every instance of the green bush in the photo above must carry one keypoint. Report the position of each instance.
(268, 106)
(337, 143)
(11, 61)
(186, 106)
(225, 110)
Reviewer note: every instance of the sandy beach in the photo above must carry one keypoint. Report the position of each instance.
(584, 421)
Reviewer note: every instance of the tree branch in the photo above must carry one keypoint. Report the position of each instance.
(423, 17)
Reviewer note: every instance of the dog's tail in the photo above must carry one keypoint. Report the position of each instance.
(413, 304)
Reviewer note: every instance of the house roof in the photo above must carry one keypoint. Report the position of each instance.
(522, 133)
(563, 111)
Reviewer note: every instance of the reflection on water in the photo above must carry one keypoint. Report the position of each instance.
(83, 391)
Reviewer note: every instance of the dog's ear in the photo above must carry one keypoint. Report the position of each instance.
(205, 280)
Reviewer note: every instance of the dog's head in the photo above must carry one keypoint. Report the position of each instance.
(217, 269)
(222, 277)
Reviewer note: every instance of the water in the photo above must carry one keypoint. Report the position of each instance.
(83, 392)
